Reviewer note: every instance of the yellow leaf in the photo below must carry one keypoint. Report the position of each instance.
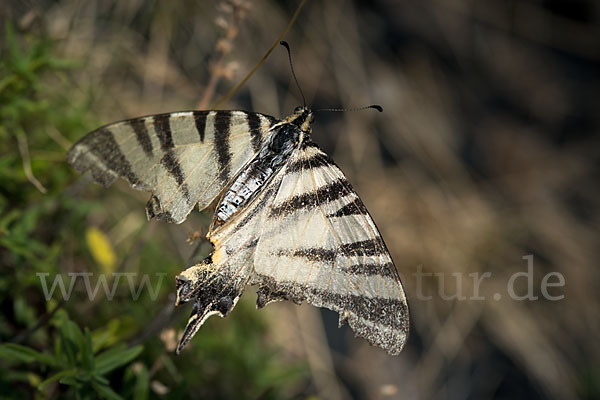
(101, 249)
(34, 380)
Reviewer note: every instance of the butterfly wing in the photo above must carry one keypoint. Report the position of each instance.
(182, 158)
(306, 237)
(319, 244)
(216, 284)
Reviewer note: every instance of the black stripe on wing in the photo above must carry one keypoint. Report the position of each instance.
(112, 162)
(371, 269)
(330, 192)
(200, 123)
(141, 134)
(254, 125)
(163, 131)
(394, 317)
(222, 132)
(171, 164)
(169, 160)
(371, 247)
(318, 159)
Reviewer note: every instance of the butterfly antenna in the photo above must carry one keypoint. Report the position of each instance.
(373, 106)
(287, 46)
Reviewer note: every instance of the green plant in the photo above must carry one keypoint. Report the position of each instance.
(78, 360)
(78, 347)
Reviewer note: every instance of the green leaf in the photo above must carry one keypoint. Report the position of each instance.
(63, 374)
(24, 313)
(71, 331)
(70, 344)
(116, 357)
(70, 380)
(72, 340)
(83, 376)
(105, 391)
(141, 384)
(106, 336)
(20, 353)
(88, 352)
(101, 379)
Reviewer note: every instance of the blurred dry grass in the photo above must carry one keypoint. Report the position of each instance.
(486, 152)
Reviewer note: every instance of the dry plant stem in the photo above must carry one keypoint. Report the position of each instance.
(145, 234)
(60, 139)
(215, 76)
(24, 150)
(158, 364)
(158, 323)
(22, 336)
(231, 92)
(318, 353)
(223, 48)
(582, 39)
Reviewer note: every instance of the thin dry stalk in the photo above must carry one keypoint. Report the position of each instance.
(24, 150)
(233, 13)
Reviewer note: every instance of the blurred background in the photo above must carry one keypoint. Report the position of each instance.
(484, 164)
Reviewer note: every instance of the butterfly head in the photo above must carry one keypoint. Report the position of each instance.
(302, 118)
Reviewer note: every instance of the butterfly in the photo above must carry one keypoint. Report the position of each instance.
(286, 219)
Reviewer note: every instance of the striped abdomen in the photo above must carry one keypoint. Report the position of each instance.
(257, 174)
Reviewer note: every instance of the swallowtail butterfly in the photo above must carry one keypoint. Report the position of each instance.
(286, 218)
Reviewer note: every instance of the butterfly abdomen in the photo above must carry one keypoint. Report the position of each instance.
(258, 173)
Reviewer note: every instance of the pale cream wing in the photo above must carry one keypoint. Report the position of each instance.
(216, 284)
(319, 244)
(182, 158)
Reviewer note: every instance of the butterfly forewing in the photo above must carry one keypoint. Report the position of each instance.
(183, 158)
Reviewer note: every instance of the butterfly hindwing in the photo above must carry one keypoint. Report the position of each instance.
(215, 284)
(319, 244)
(183, 158)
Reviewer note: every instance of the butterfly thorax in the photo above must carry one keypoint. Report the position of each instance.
(302, 118)
(264, 166)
